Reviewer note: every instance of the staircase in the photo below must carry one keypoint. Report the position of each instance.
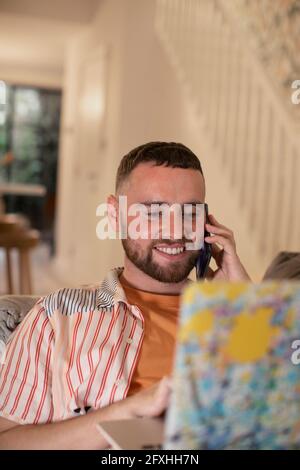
(250, 121)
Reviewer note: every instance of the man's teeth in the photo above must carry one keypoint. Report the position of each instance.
(170, 251)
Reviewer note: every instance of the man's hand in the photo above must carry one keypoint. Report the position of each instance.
(229, 265)
(150, 402)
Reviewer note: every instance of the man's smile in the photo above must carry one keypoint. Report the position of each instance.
(176, 251)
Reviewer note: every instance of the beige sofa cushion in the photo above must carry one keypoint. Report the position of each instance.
(13, 309)
(286, 265)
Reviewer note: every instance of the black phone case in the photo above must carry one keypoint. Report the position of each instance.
(203, 260)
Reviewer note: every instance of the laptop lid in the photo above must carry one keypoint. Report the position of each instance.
(236, 383)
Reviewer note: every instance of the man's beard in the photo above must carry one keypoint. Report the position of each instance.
(177, 271)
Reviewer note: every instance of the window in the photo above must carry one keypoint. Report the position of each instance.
(29, 136)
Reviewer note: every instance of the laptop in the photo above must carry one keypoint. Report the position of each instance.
(236, 378)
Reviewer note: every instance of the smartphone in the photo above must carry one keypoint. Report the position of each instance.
(203, 260)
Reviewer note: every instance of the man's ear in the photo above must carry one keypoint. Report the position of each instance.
(113, 212)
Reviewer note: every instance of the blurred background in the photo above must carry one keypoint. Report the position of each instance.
(84, 81)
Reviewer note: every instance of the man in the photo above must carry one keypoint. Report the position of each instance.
(105, 352)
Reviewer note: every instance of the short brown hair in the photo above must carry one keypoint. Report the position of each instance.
(172, 154)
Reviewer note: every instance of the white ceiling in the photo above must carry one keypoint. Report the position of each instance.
(34, 33)
(78, 11)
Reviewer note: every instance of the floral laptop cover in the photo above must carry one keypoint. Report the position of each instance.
(237, 368)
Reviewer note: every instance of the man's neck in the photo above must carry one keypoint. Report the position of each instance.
(138, 279)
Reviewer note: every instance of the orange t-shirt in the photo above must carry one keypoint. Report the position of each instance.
(160, 313)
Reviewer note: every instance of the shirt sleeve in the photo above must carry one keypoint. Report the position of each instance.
(26, 370)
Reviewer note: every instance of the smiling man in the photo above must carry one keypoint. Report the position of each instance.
(105, 351)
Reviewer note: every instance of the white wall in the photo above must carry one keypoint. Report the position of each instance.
(145, 102)
(75, 246)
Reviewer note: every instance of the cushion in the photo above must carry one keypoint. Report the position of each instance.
(286, 265)
(13, 309)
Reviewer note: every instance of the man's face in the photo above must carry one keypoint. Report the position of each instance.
(152, 184)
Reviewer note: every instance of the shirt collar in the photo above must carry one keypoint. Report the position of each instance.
(111, 292)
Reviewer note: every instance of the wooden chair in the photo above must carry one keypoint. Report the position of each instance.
(16, 234)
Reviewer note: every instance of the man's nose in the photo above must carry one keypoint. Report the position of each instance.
(176, 225)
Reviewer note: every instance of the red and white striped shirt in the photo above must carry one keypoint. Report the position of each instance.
(76, 349)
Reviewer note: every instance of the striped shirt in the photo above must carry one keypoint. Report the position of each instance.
(76, 349)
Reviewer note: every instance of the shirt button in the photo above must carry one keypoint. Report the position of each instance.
(120, 382)
(129, 340)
